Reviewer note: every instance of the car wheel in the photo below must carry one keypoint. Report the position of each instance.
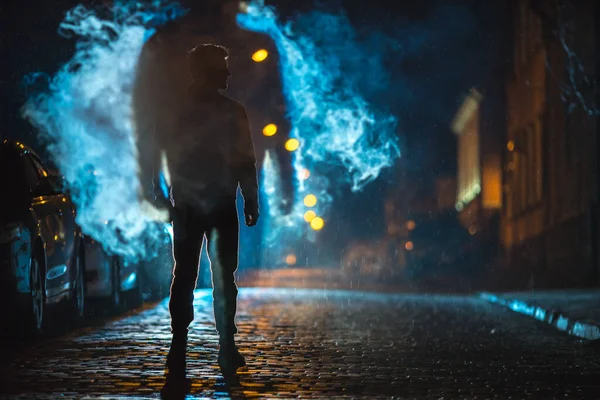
(37, 319)
(115, 296)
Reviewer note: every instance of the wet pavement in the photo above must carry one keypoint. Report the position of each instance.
(319, 344)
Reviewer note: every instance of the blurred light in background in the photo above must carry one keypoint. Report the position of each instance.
(510, 146)
(310, 200)
(270, 130)
(409, 246)
(317, 223)
(310, 215)
(260, 55)
(410, 225)
(290, 259)
(392, 229)
(292, 144)
(304, 174)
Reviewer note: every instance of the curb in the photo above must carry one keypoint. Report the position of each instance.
(581, 329)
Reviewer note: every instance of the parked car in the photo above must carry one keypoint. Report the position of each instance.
(109, 276)
(40, 244)
(156, 272)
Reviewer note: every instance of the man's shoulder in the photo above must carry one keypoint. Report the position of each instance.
(234, 105)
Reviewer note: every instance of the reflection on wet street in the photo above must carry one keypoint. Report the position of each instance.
(318, 343)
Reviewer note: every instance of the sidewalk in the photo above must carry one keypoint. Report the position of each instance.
(576, 312)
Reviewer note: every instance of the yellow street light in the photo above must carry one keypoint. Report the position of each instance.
(317, 223)
(292, 144)
(510, 146)
(260, 55)
(270, 130)
(310, 200)
(310, 215)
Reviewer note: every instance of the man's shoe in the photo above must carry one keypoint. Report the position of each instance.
(176, 387)
(230, 358)
(177, 355)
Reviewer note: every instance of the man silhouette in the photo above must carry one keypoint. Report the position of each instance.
(209, 152)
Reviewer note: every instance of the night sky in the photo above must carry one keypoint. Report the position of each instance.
(435, 52)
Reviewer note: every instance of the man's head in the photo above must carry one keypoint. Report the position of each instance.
(208, 66)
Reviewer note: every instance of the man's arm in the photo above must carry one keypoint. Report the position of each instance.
(145, 119)
(245, 167)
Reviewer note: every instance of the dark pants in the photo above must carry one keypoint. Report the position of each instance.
(221, 228)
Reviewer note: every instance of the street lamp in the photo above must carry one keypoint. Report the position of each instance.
(270, 130)
(292, 144)
(310, 215)
(310, 200)
(260, 55)
(290, 259)
(317, 223)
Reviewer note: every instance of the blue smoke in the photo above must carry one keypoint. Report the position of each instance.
(85, 117)
(327, 77)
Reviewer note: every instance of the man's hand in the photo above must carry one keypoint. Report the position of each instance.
(251, 213)
(163, 203)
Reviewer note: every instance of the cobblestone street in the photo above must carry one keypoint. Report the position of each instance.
(319, 344)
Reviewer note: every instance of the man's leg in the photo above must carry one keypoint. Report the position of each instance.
(187, 243)
(223, 251)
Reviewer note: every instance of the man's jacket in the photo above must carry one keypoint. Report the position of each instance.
(210, 152)
(162, 89)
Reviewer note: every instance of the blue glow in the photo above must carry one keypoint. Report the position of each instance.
(85, 116)
(56, 272)
(130, 280)
(339, 131)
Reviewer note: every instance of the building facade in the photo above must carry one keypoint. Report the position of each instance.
(549, 221)
(478, 126)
